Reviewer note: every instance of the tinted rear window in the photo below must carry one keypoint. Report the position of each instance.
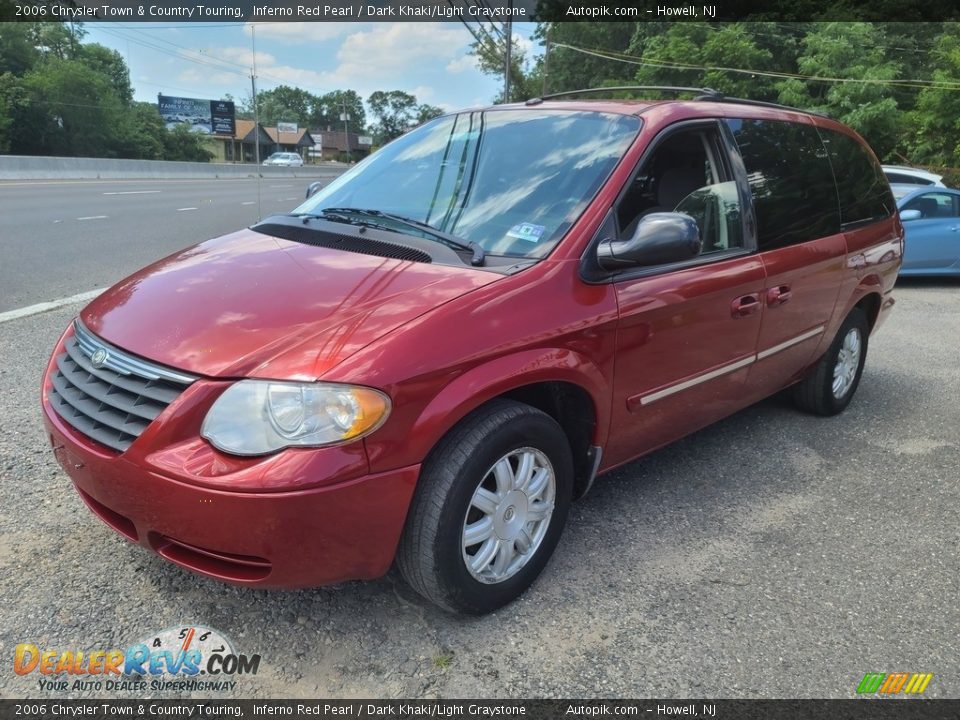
(794, 195)
(907, 179)
(864, 191)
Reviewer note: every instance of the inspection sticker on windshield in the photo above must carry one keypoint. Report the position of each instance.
(526, 231)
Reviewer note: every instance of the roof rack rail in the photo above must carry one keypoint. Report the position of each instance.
(704, 93)
(719, 97)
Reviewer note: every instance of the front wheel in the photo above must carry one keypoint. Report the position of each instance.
(489, 509)
(828, 389)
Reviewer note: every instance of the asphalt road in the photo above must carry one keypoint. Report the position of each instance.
(59, 239)
(773, 554)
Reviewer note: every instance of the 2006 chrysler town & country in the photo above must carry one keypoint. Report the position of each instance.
(434, 354)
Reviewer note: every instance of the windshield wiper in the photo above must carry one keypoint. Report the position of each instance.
(458, 243)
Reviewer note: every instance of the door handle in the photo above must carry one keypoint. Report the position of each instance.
(778, 295)
(954, 228)
(745, 305)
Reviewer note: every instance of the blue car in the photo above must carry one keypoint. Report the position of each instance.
(931, 219)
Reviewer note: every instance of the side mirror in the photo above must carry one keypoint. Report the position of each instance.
(313, 188)
(660, 238)
(910, 215)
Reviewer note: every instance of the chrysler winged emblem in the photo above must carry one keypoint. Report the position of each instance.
(99, 357)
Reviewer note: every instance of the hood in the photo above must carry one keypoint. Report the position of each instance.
(249, 304)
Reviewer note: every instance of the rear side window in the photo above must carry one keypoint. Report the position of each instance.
(907, 179)
(794, 194)
(864, 191)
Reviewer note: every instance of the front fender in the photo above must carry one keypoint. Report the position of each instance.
(482, 383)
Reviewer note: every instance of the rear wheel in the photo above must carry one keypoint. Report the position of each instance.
(489, 509)
(828, 389)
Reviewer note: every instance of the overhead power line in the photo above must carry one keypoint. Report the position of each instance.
(666, 64)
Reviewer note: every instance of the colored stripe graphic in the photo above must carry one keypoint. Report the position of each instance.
(870, 683)
(919, 681)
(894, 683)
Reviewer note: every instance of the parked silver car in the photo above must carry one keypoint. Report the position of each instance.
(905, 175)
(288, 159)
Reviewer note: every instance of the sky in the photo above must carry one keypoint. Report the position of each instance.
(208, 60)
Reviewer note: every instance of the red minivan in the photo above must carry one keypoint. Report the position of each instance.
(432, 356)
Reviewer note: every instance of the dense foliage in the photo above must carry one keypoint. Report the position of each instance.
(61, 96)
(898, 84)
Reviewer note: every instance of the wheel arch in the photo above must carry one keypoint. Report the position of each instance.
(870, 304)
(560, 382)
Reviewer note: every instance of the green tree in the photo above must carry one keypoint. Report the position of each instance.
(490, 49)
(933, 135)
(17, 50)
(699, 54)
(58, 40)
(182, 144)
(285, 104)
(328, 111)
(565, 69)
(111, 64)
(854, 56)
(12, 100)
(74, 111)
(393, 111)
(426, 112)
(144, 134)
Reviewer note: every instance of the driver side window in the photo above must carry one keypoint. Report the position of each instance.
(687, 173)
(934, 205)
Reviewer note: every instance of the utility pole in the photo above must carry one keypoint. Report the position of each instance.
(253, 85)
(546, 61)
(507, 58)
(345, 117)
(256, 114)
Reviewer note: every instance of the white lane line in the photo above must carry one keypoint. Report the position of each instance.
(184, 209)
(293, 198)
(279, 186)
(249, 202)
(92, 217)
(133, 192)
(48, 306)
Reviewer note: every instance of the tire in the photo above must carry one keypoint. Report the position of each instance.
(819, 393)
(433, 556)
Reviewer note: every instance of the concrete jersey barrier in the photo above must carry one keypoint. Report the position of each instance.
(26, 167)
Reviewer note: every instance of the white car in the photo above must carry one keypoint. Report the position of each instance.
(288, 159)
(904, 175)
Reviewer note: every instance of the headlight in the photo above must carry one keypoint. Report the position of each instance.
(256, 417)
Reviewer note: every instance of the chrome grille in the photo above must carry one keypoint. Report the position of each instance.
(114, 399)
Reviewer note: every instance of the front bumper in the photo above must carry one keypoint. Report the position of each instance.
(300, 518)
(304, 538)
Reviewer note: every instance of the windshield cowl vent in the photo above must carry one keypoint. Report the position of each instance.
(348, 243)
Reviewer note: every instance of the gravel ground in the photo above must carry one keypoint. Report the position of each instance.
(771, 555)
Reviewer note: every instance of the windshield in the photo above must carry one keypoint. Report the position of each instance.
(512, 181)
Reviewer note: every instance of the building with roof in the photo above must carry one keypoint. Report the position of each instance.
(337, 145)
(241, 147)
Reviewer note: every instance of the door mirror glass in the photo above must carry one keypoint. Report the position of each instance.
(906, 215)
(660, 238)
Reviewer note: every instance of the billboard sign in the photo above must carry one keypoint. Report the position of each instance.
(215, 117)
(286, 127)
(364, 140)
(223, 117)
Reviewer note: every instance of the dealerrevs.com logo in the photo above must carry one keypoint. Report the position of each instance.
(181, 659)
